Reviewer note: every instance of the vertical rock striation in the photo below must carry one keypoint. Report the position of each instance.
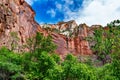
(70, 37)
(16, 23)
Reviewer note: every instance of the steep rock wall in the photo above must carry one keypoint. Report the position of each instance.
(16, 23)
(71, 38)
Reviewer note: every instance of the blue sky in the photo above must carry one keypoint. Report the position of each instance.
(82, 11)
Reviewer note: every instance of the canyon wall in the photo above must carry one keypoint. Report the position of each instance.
(17, 25)
(71, 38)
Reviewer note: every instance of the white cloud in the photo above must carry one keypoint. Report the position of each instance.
(69, 2)
(65, 6)
(58, 5)
(92, 11)
(95, 12)
(51, 12)
(31, 2)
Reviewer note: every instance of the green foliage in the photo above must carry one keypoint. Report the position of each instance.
(116, 58)
(105, 73)
(103, 44)
(111, 47)
(74, 70)
(56, 30)
(40, 43)
(14, 39)
(36, 67)
(56, 57)
(9, 64)
(44, 66)
(41, 63)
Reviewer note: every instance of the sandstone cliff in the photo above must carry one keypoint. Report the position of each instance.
(17, 24)
(70, 37)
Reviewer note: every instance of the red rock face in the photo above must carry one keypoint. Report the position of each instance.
(77, 44)
(71, 38)
(17, 25)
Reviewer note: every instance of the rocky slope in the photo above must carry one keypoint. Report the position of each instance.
(17, 24)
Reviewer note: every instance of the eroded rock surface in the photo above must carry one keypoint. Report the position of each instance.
(71, 38)
(16, 23)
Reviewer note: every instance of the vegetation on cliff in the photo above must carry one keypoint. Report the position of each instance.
(41, 63)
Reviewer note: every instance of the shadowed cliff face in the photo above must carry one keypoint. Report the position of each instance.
(17, 25)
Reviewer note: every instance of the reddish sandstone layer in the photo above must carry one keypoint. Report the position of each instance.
(71, 38)
(17, 24)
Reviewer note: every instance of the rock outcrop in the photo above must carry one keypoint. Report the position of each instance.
(70, 37)
(17, 25)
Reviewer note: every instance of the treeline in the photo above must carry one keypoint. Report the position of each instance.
(41, 63)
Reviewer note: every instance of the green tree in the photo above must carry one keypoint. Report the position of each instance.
(74, 70)
(38, 67)
(115, 32)
(41, 43)
(103, 44)
(10, 67)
